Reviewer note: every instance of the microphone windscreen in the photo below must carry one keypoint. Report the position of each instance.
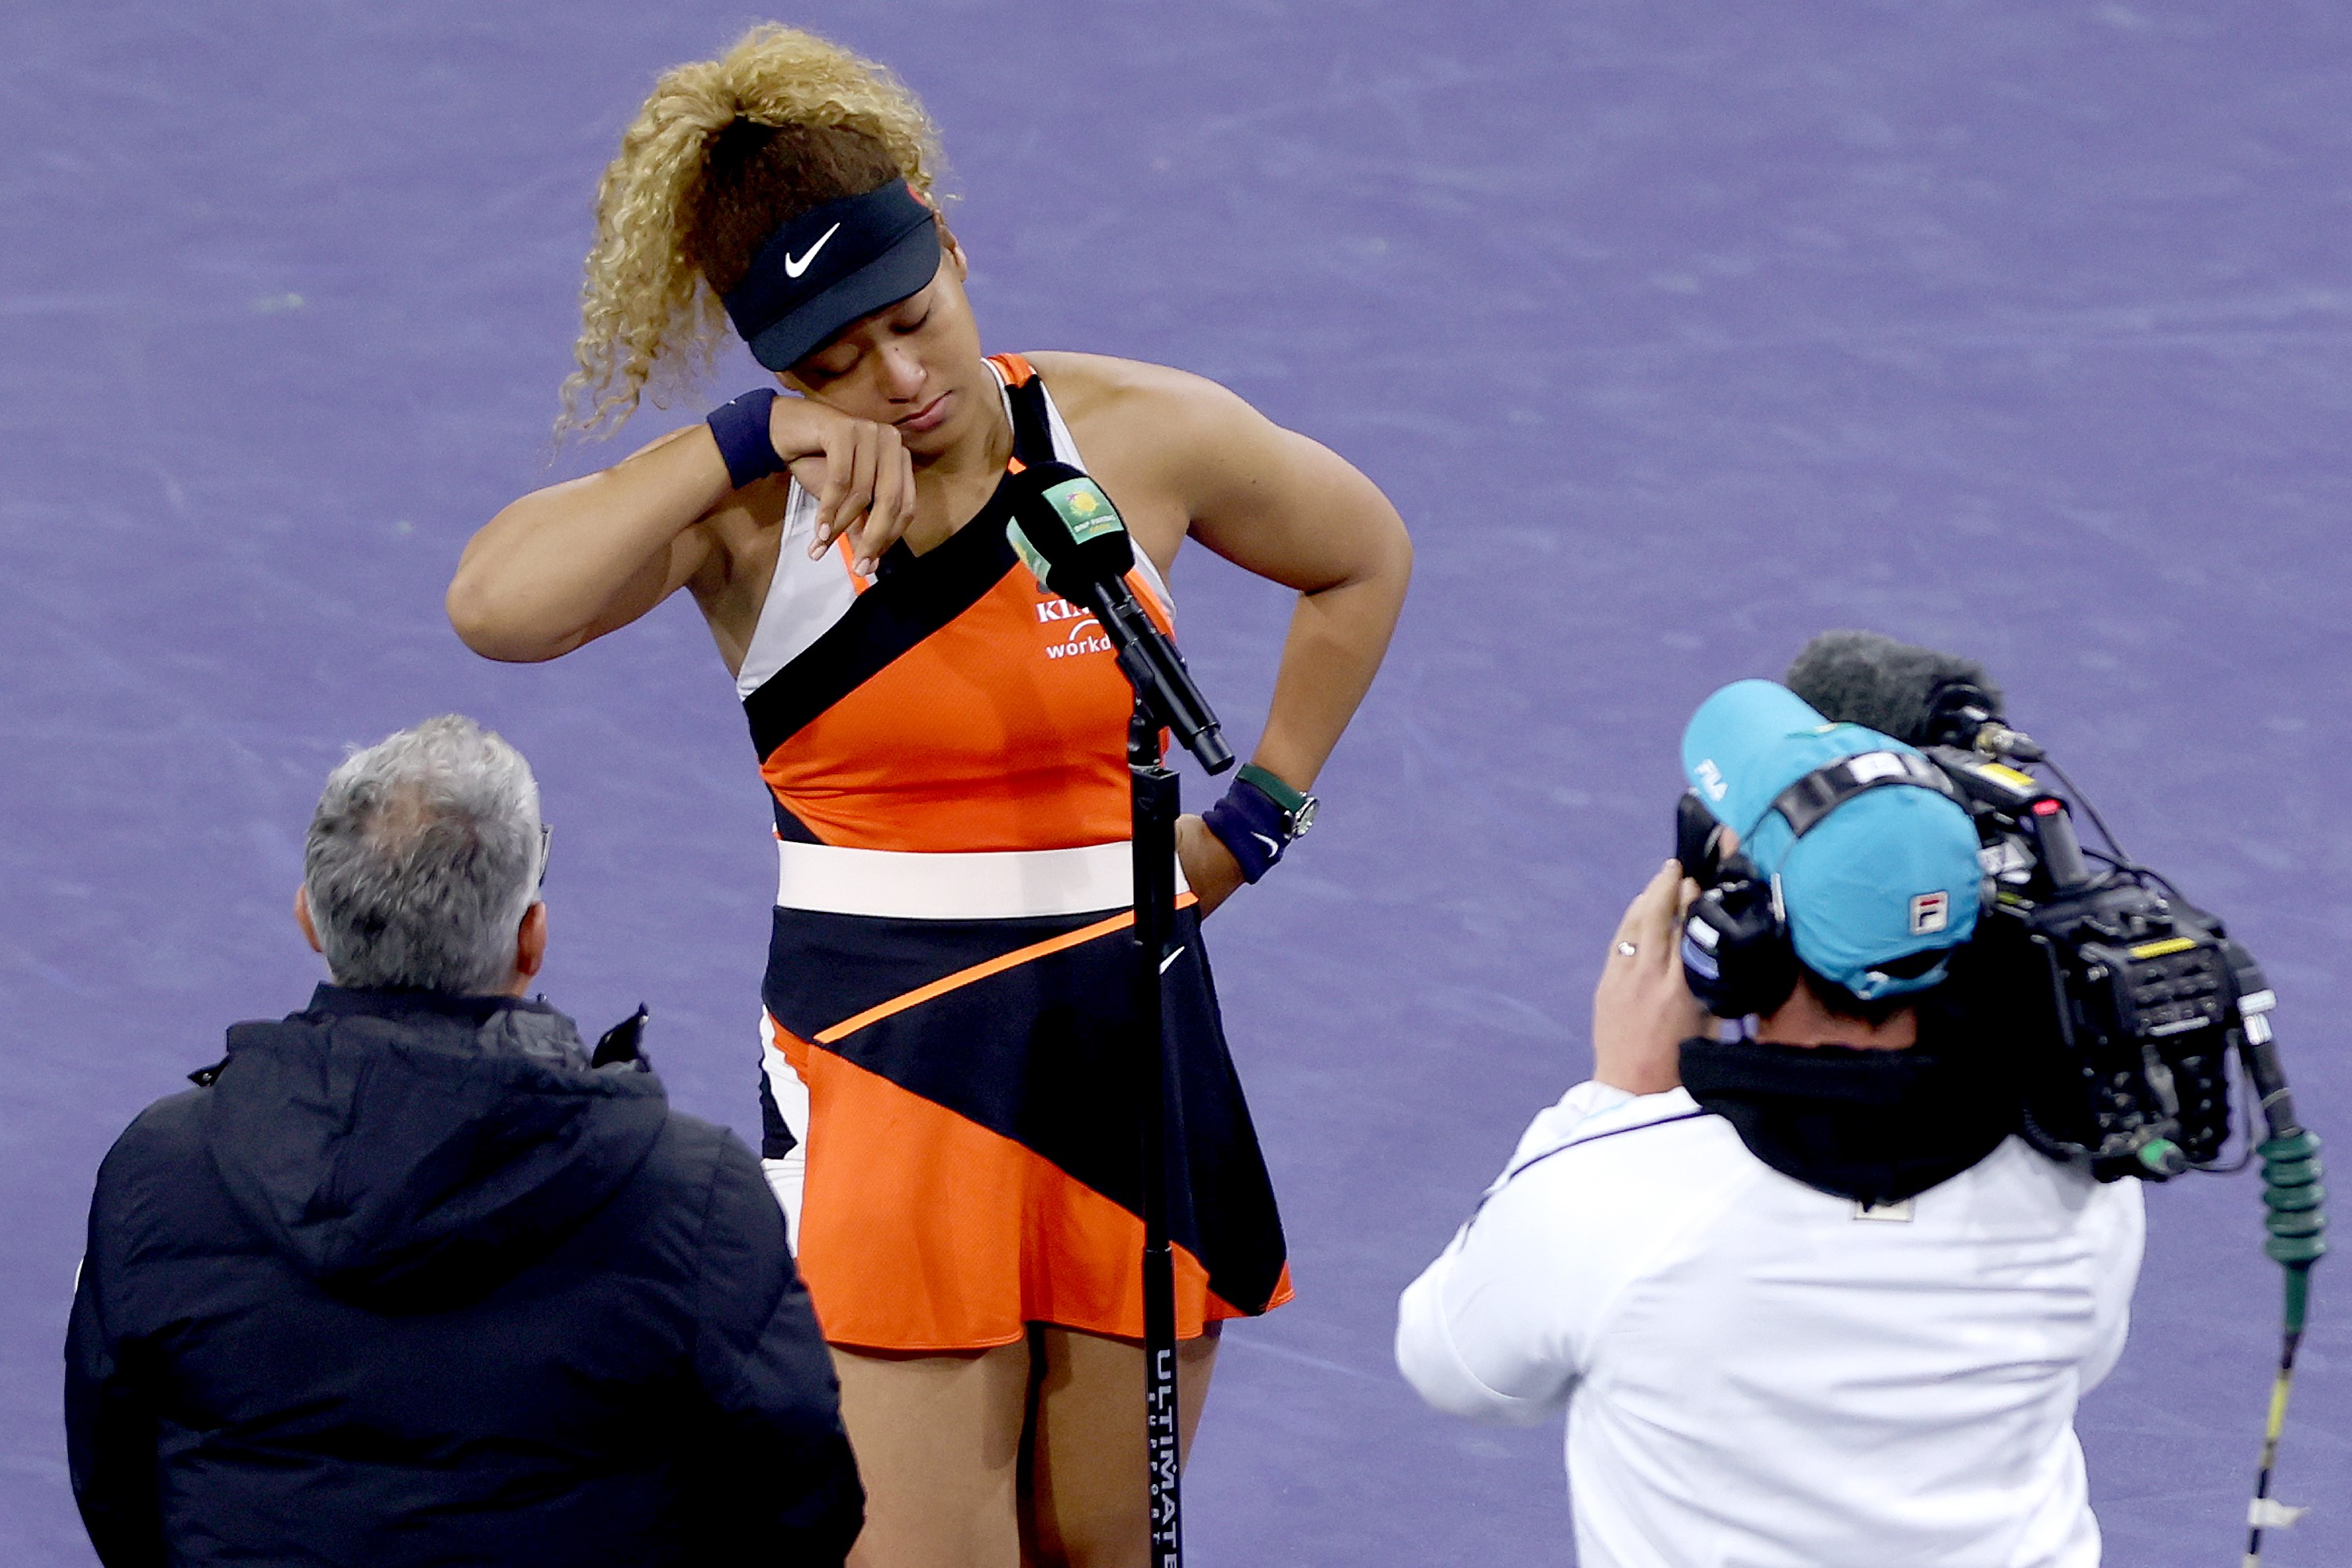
(1065, 530)
(1893, 688)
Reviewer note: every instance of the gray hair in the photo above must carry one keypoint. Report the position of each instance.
(422, 859)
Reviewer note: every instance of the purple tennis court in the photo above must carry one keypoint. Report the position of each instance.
(1677, 332)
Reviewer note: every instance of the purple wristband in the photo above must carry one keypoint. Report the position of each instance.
(740, 428)
(1250, 823)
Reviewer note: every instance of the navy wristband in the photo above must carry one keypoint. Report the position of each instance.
(740, 428)
(1250, 823)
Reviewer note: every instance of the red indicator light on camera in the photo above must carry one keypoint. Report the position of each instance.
(2047, 808)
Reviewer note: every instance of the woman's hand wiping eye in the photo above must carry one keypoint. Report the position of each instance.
(858, 470)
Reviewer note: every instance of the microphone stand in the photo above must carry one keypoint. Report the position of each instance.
(1165, 697)
(1155, 795)
(1160, 701)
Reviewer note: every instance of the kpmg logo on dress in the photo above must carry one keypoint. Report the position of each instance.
(1085, 509)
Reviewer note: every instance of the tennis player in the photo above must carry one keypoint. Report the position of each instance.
(948, 1059)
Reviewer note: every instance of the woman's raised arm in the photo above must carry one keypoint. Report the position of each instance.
(565, 564)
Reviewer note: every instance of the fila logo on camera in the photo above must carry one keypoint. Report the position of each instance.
(1930, 913)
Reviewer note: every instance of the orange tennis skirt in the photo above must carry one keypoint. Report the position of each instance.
(972, 1139)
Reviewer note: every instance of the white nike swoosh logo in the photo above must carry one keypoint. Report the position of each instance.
(1271, 846)
(1170, 959)
(796, 265)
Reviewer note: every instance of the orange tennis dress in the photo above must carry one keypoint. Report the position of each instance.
(951, 1084)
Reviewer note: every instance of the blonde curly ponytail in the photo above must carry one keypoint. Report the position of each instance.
(650, 320)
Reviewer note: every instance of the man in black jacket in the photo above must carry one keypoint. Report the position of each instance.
(408, 1280)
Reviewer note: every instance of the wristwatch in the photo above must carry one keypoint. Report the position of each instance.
(1298, 809)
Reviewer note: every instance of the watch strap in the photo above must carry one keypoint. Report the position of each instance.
(1291, 801)
(1257, 819)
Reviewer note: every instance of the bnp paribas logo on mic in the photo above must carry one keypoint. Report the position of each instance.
(1084, 507)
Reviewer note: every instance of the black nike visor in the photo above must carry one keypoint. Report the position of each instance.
(823, 269)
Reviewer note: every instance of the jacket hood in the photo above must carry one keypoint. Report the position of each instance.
(411, 1151)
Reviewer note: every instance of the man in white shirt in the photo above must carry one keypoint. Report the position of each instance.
(1806, 1303)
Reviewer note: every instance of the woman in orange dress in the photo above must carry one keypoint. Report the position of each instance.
(950, 1075)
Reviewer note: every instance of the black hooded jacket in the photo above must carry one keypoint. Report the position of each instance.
(411, 1283)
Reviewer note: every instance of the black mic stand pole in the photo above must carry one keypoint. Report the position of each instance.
(1155, 800)
(1164, 697)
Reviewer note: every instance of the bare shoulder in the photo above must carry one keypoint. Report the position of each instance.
(1102, 378)
(1186, 457)
(1127, 394)
(1166, 427)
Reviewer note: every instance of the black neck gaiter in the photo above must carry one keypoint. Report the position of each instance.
(1874, 1126)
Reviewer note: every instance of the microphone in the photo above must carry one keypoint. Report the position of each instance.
(1068, 534)
(1916, 695)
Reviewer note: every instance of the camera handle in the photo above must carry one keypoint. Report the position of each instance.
(2056, 844)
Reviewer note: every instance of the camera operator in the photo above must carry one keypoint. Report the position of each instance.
(1804, 1298)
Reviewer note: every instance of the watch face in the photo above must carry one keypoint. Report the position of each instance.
(1304, 817)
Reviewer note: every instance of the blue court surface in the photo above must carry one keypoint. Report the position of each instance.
(1678, 330)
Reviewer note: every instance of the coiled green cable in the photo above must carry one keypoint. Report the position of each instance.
(2292, 1196)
